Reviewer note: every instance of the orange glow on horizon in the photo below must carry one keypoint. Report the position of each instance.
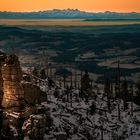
(85, 5)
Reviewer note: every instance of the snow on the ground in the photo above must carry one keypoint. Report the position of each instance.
(79, 124)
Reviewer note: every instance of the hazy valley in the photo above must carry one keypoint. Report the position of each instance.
(93, 48)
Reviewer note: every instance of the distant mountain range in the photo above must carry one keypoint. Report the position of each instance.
(68, 14)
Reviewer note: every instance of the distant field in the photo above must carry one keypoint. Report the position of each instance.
(71, 22)
(92, 48)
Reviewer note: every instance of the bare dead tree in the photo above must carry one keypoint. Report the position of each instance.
(132, 100)
(71, 79)
(64, 80)
(124, 93)
(118, 90)
(107, 91)
(75, 79)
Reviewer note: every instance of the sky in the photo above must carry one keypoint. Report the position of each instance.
(84, 5)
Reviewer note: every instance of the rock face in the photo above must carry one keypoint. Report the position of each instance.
(13, 91)
(2, 58)
(18, 100)
(32, 94)
(34, 127)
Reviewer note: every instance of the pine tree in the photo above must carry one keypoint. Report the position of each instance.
(43, 74)
(35, 72)
(85, 86)
(92, 108)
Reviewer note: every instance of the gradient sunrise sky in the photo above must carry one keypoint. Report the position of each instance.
(85, 5)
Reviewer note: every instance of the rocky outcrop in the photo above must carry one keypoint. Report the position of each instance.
(34, 127)
(19, 102)
(17, 93)
(32, 94)
(2, 58)
(13, 91)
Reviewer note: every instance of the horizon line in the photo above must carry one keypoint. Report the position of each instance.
(30, 11)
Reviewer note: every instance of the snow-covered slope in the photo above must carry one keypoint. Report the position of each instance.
(69, 13)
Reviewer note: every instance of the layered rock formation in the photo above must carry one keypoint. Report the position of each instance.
(2, 58)
(19, 101)
(13, 91)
